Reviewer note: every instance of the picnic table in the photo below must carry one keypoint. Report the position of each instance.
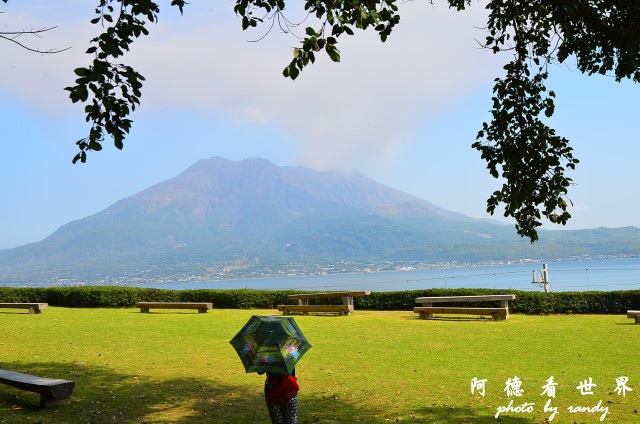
(303, 302)
(497, 313)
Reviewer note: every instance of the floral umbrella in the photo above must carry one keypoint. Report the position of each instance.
(270, 344)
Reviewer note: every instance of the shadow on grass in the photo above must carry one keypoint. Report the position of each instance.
(103, 395)
(447, 318)
(15, 311)
(315, 315)
(448, 414)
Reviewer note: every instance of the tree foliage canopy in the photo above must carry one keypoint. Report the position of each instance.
(603, 36)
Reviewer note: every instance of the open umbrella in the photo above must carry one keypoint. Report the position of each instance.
(270, 344)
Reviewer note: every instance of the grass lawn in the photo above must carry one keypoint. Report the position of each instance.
(371, 367)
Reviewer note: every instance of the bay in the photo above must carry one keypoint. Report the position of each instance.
(587, 275)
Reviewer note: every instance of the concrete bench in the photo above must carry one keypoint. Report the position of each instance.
(499, 313)
(52, 391)
(34, 308)
(341, 309)
(634, 315)
(202, 307)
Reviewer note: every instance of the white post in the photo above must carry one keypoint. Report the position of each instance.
(545, 277)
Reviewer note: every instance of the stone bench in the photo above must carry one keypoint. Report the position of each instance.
(202, 307)
(497, 314)
(34, 308)
(52, 391)
(634, 315)
(340, 309)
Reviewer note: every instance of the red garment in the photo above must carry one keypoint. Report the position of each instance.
(280, 388)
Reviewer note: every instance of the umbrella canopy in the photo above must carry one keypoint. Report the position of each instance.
(270, 344)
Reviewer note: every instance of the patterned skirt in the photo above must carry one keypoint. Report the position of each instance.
(284, 413)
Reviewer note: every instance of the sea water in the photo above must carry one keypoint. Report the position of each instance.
(598, 275)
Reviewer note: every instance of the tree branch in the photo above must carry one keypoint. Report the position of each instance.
(12, 36)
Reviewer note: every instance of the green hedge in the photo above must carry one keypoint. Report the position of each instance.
(526, 302)
(113, 297)
(611, 302)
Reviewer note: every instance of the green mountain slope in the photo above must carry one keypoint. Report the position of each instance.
(230, 219)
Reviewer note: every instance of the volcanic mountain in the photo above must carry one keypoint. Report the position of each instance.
(220, 218)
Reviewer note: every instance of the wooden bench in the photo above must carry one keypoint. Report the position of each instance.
(202, 307)
(303, 302)
(497, 313)
(635, 315)
(34, 308)
(52, 391)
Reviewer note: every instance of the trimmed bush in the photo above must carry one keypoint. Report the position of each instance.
(526, 302)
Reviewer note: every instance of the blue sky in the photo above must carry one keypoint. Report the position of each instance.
(404, 113)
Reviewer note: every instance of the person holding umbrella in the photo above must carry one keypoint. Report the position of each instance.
(281, 394)
(273, 345)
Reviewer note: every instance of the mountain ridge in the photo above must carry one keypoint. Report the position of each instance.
(257, 219)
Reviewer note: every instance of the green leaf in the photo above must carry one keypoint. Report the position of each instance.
(82, 72)
(333, 53)
(291, 71)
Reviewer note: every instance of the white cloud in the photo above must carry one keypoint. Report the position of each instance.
(362, 108)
